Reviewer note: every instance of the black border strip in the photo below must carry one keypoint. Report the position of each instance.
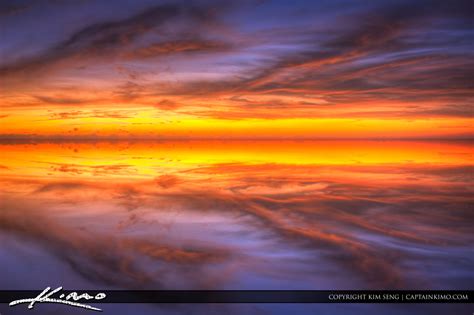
(258, 296)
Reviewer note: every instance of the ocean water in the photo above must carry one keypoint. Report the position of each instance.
(237, 215)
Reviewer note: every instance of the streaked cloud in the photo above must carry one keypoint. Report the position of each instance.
(234, 62)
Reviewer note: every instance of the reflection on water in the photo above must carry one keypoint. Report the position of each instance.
(237, 215)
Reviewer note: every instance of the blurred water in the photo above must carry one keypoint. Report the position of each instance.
(238, 215)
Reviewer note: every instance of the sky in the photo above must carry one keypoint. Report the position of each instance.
(236, 69)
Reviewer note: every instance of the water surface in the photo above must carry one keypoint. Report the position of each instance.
(237, 215)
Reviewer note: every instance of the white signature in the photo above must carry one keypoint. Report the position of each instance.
(71, 299)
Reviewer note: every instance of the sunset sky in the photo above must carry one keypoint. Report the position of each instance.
(237, 145)
(236, 69)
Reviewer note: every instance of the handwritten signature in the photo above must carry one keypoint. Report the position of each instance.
(47, 296)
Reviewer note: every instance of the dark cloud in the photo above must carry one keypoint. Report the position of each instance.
(129, 91)
(104, 38)
(95, 170)
(453, 110)
(177, 46)
(62, 186)
(12, 9)
(61, 100)
(167, 105)
(167, 181)
(79, 114)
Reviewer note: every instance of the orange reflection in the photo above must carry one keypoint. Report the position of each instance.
(146, 159)
(361, 209)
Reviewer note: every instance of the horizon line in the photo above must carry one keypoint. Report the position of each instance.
(38, 138)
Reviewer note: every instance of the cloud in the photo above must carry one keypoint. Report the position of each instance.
(371, 56)
(61, 100)
(91, 114)
(95, 170)
(167, 104)
(207, 60)
(105, 39)
(129, 91)
(10, 9)
(177, 46)
(62, 186)
(453, 110)
(167, 181)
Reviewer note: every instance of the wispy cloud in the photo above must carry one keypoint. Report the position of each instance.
(234, 62)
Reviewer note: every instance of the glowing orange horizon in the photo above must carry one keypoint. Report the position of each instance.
(146, 159)
(145, 124)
